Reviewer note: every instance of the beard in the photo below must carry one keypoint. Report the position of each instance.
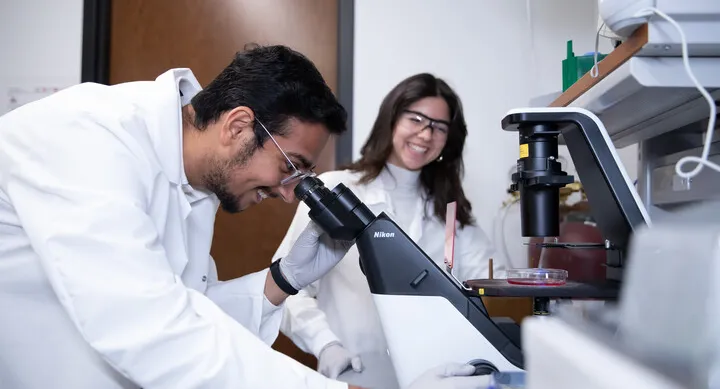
(216, 180)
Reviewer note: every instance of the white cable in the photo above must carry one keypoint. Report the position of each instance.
(533, 65)
(594, 70)
(702, 160)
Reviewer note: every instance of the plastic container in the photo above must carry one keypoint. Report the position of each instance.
(537, 277)
(573, 68)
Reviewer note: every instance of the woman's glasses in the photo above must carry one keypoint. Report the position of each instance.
(420, 122)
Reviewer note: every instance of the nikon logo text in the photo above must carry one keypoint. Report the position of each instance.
(380, 234)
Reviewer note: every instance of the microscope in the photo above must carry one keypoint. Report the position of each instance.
(414, 295)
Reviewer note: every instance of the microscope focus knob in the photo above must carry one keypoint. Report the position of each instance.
(483, 367)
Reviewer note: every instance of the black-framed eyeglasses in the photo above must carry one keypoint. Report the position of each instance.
(297, 174)
(421, 121)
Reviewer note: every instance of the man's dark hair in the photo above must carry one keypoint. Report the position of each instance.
(278, 84)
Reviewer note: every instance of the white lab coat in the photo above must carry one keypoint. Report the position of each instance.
(106, 280)
(339, 306)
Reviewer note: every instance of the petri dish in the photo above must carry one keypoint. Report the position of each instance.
(537, 276)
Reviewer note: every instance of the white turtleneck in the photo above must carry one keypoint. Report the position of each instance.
(403, 186)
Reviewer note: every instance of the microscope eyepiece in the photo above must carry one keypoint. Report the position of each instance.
(310, 190)
(338, 212)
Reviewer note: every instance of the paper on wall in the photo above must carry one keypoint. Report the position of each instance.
(18, 96)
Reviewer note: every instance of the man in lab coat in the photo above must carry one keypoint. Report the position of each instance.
(107, 202)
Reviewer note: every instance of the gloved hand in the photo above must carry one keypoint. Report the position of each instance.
(312, 256)
(335, 359)
(451, 376)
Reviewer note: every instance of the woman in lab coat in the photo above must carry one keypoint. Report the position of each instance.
(410, 168)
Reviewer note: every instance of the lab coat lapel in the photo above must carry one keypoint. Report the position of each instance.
(185, 206)
(199, 241)
(174, 89)
(177, 254)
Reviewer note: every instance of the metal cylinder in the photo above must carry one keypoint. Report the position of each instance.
(539, 179)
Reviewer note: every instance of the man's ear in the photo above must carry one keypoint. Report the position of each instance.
(237, 121)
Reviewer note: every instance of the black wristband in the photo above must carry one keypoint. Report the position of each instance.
(280, 281)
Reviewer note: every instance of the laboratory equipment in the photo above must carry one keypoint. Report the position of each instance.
(615, 204)
(650, 99)
(651, 93)
(537, 276)
(575, 66)
(623, 17)
(662, 333)
(410, 291)
(403, 279)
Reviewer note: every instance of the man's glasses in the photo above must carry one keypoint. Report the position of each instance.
(297, 174)
(420, 122)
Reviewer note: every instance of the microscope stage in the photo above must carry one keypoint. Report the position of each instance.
(607, 290)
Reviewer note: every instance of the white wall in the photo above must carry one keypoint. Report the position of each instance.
(496, 54)
(41, 44)
(459, 40)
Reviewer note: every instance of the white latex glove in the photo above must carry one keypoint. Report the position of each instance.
(451, 376)
(335, 359)
(312, 256)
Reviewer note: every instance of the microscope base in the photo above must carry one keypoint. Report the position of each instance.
(416, 344)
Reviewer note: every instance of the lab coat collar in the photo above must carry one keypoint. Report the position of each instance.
(178, 87)
(175, 88)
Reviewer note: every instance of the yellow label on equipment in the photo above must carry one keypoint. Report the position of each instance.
(481, 291)
(524, 150)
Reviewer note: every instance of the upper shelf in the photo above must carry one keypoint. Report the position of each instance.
(640, 97)
(615, 59)
(648, 96)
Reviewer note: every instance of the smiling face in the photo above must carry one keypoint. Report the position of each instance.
(420, 133)
(242, 174)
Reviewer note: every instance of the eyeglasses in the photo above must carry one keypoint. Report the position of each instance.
(297, 174)
(420, 122)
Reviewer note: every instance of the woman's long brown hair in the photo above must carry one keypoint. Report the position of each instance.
(441, 180)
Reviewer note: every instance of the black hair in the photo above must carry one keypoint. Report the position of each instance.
(278, 84)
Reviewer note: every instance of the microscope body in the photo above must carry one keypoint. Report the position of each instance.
(429, 318)
(411, 291)
(615, 205)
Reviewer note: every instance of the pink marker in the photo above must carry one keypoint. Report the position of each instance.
(450, 218)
